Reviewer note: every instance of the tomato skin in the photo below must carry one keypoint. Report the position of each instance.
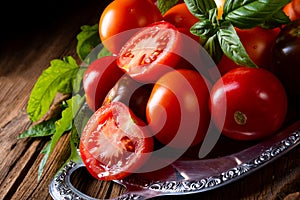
(99, 78)
(179, 95)
(151, 52)
(258, 43)
(286, 57)
(248, 103)
(123, 15)
(113, 145)
(292, 10)
(180, 16)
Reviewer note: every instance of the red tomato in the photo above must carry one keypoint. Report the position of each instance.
(123, 15)
(248, 103)
(180, 16)
(151, 52)
(99, 78)
(177, 109)
(292, 9)
(258, 43)
(114, 143)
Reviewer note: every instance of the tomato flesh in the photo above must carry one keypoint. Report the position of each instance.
(151, 52)
(112, 144)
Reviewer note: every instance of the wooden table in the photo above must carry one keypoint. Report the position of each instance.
(26, 50)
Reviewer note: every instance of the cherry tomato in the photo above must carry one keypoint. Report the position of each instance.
(114, 143)
(123, 15)
(151, 52)
(99, 78)
(177, 111)
(248, 103)
(258, 43)
(132, 93)
(286, 58)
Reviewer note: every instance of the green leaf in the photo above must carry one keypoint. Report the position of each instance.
(232, 46)
(87, 39)
(56, 78)
(250, 13)
(277, 19)
(165, 5)
(61, 126)
(204, 29)
(214, 49)
(103, 52)
(77, 82)
(43, 129)
(200, 8)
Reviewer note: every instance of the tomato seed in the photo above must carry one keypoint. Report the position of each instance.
(128, 145)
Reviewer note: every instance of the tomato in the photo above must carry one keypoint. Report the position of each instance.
(286, 58)
(114, 143)
(151, 52)
(123, 15)
(180, 16)
(99, 78)
(248, 103)
(177, 110)
(258, 43)
(292, 10)
(132, 93)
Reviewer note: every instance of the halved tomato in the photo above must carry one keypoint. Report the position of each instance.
(151, 52)
(114, 142)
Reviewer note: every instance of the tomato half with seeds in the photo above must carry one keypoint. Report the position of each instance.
(248, 103)
(151, 52)
(114, 143)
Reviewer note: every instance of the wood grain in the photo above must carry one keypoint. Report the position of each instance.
(23, 57)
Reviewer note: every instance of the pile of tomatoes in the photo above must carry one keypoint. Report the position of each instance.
(160, 89)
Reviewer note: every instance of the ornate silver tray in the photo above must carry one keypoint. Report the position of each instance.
(189, 176)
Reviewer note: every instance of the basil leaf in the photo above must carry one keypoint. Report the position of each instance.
(45, 128)
(61, 126)
(251, 13)
(204, 29)
(56, 78)
(231, 45)
(212, 46)
(87, 39)
(165, 5)
(200, 8)
(277, 19)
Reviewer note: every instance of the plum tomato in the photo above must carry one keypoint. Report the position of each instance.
(132, 93)
(286, 58)
(114, 143)
(120, 16)
(151, 52)
(248, 103)
(258, 43)
(100, 76)
(177, 111)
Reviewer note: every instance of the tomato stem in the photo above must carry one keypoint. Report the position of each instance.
(240, 118)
